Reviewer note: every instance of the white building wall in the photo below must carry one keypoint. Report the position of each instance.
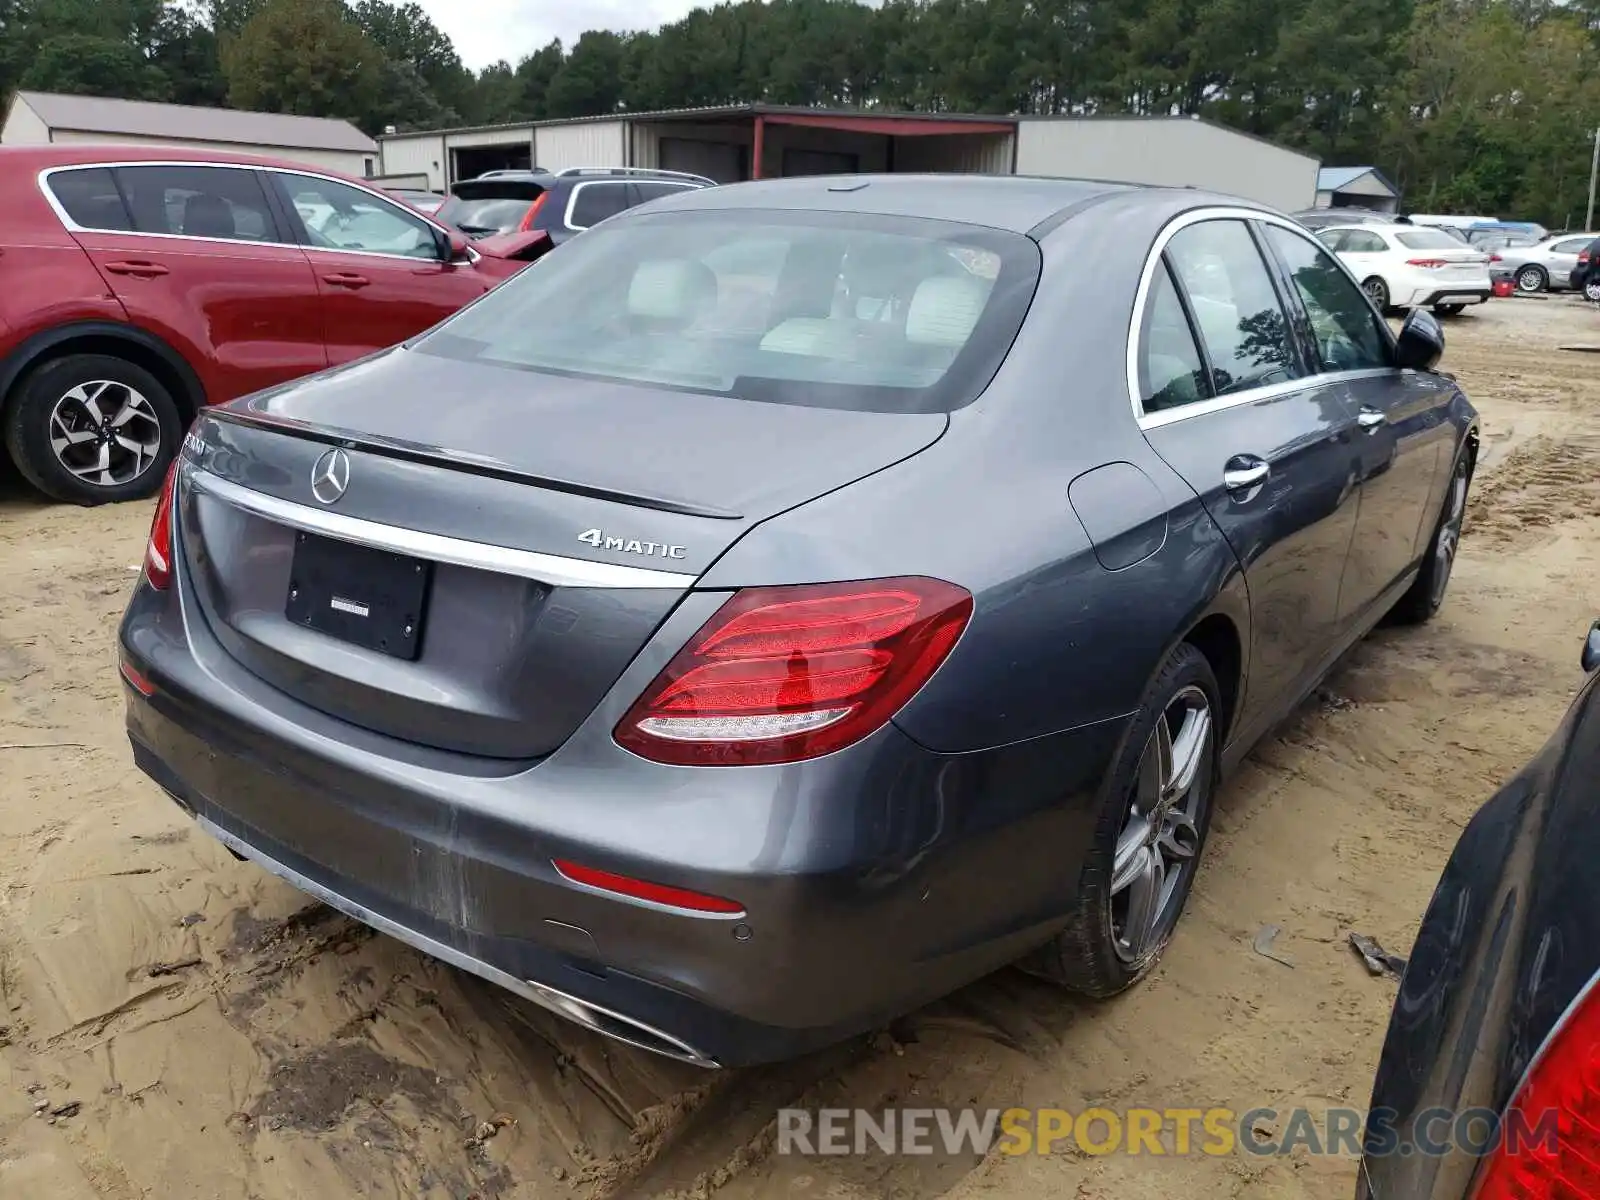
(1169, 151)
(414, 154)
(581, 144)
(347, 162)
(23, 127)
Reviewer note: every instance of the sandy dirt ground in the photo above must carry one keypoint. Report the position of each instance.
(202, 1031)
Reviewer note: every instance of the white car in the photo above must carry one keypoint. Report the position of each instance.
(1412, 266)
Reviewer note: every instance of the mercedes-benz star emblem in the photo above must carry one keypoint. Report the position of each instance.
(331, 476)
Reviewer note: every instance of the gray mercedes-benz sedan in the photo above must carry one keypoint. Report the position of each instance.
(791, 601)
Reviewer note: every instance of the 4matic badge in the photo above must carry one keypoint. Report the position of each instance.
(602, 541)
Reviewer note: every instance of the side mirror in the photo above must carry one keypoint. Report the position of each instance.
(1421, 342)
(453, 245)
(1591, 650)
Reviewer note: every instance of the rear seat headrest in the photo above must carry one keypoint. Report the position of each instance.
(672, 289)
(945, 309)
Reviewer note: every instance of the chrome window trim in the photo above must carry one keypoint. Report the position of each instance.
(572, 198)
(1169, 416)
(72, 226)
(553, 569)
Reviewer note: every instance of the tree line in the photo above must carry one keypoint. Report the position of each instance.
(1469, 105)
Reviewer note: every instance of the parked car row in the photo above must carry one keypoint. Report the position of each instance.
(143, 286)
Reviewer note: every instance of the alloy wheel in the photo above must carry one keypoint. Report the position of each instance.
(1449, 540)
(1378, 292)
(1531, 280)
(1160, 838)
(105, 432)
(1591, 290)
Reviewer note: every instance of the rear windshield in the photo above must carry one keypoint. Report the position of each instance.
(883, 314)
(489, 206)
(1427, 239)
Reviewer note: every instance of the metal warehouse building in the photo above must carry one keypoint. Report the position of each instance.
(762, 141)
(45, 118)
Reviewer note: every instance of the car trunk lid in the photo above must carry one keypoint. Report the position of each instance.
(532, 536)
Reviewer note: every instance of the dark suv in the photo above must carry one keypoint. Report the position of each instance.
(560, 203)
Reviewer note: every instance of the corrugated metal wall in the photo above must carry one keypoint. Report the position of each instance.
(581, 144)
(966, 153)
(1174, 152)
(414, 154)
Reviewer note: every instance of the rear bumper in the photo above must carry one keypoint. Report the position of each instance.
(872, 880)
(1455, 295)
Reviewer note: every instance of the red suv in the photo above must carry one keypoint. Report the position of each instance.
(137, 284)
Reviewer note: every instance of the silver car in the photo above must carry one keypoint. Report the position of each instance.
(1543, 266)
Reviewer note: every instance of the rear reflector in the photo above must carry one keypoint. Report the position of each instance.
(654, 893)
(137, 681)
(788, 673)
(1549, 1142)
(158, 550)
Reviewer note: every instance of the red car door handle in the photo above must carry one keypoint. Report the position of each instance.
(138, 269)
(345, 279)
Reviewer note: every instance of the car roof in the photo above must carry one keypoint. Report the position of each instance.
(40, 158)
(1019, 203)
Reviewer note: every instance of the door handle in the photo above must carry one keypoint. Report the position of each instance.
(345, 279)
(1244, 472)
(1370, 419)
(138, 269)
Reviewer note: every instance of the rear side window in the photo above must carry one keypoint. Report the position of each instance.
(205, 202)
(1570, 246)
(1236, 309)
(594, 202)
(883, 314)
(90, 198)
(1171, 372)
(649, 191)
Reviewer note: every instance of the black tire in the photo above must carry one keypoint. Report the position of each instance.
(1090, 955)
(1377, 291)
(42, 411)
(1532, 279)
(1448, 310)
(1426, 594)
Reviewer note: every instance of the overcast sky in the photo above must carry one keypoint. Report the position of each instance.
(487, 30)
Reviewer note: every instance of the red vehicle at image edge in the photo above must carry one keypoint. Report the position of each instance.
(138, 284)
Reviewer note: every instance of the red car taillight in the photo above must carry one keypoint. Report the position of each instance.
(1549, 1148)
(1583, 258)
(533, 211)
(786, 673)
(1495, 258)
(1429, 263)
(158, 550)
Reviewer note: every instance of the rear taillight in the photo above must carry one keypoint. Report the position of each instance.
(1583, 258)
(1427, 263)
(786, 673)
(1549, 1143)
(1495, 258)
(533, 211)
(158, 550)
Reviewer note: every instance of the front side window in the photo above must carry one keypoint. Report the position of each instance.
(201, 202)
(90, 198)
(594, 202)
(1235, 307)
(1343, 322)
(337, 216)
(885, 314)
(1171, 372)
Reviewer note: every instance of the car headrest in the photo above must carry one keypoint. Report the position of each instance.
(207, 216)
(677, 290)
(945, 309)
